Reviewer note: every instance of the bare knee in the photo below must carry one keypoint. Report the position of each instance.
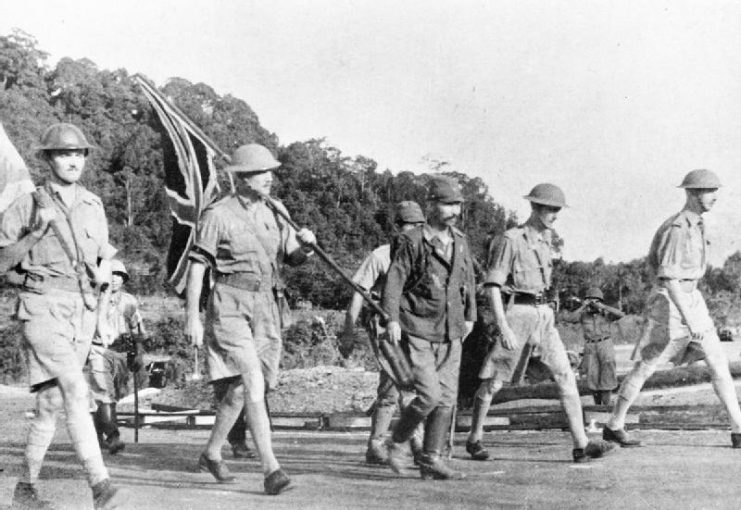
(49, 401)
(566, 382)
(488, 388)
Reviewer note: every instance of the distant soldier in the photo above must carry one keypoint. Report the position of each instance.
(52, 240)
(599, 350)
(518, 277)
(430, 293)
(371, 275)
(109, 367)
(678, 324)
(243, 242)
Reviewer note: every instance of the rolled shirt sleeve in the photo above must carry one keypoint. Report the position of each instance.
(499, 261)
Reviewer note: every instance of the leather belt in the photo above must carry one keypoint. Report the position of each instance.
(598, 340)
(38, 283)
(522, 298)
(245, 281)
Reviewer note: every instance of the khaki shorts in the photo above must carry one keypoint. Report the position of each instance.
(109, 375)
(534, 325)
(57, 333)
(599, 365)
(665, 336)
(243, 334)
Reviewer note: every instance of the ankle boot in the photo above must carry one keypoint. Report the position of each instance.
(431, 464)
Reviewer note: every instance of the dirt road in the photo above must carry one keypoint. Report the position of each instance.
(528, 470)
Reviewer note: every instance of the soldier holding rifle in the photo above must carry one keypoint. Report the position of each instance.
(430, 293)
(596, 320)
(371, 275)
(678, 324)
(243, 241)
(517, 280)
(52, 241)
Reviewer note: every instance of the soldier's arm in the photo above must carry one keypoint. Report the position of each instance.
(500, 260)
(396, 278)
(14, 243)
(193, 324)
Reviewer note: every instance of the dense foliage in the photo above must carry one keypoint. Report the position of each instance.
(347, 201)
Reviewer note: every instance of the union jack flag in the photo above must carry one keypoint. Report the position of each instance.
(190, 180)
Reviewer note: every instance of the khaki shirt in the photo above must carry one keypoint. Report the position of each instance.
(371, 275)
(595, 326)
(679, 249)
(520, 260)
(47, 258)
(237, 236)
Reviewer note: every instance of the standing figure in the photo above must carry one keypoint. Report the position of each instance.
(430, 299)
(599, 351)
(51, 240)
(371, 275)
(109, 367)
(678, 325)
(243, 242)
(518, 277)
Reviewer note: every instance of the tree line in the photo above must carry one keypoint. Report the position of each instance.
(347, 201)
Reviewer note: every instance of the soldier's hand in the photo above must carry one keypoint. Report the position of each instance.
(394, 332)
(509, 339)
(44, 217)
(194, 330)
(306, 237)
(695, 332)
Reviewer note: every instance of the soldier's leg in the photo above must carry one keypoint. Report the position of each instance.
(428, 393)
(80, 426)
(431, 463)
(228, 409)
(628, 392)
(721, 378)
(383, 413)
(482, 400)
(41, 431)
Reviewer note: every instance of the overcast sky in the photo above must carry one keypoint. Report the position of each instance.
(612, 101)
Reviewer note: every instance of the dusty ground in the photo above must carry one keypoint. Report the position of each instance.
(528, 470)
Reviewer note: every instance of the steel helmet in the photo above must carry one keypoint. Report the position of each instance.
(547, 194)
(64, 136)
(594, 293)
(700, 179)
(117, 267)
(252, 157)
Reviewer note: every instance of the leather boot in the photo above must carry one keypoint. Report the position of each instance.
(25, 497)
(108, 420)
(376, 453)
(431, 463)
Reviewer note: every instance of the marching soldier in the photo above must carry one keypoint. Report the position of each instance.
(599, 350)
(371, 275)
(430, 292)
(109, 366)
(52, 240)
(243, 242)
(518, 277)
(678, 324)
